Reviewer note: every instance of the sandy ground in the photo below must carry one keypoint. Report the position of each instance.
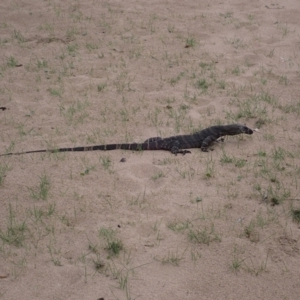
(84, 225)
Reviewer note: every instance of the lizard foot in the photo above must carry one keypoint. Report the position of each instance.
(183, 152)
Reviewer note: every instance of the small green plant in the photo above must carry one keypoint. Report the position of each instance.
(122, 275)
(283, 80)
(251, 17)
(226, 158)
(199, 236)
(291, 108)
(226, 15)
(187, 172)
(237, 43)
(93, 247)
(260, 122)
(222, 84)
(42, 190)
(250, 108)
(283, 28)
(256, 269)
(236, 71)
(277, 194)
(36, 214)
(18, 36)
(140, 200)
(240, 163)
(202, 85)
(91, 47)
(54, 255)
(51, 209)
(57, 92)
(101, 87)
(203, 236)
(236, 263)
(21, 129)
(124, 115)
(11, 62)
(190, 43)
(268, 98)
(105, 162)
(295, 215)
(15, 231)
(42, 64)
(46, 27)
(195, 255)
(98, 263)
(71, 32)
(172, 258)
(72, 49)
(262, 153)
(210, 169)
(171, 28)
(113, 245)
(87, 170)
(179, 226)
(3, 171)
(278, 154)
(176, 79)
(251, 233)
(158, 175)
(271, 53)
(75, 113)
(11, 147)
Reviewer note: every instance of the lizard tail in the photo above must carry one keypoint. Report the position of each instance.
(134, 146)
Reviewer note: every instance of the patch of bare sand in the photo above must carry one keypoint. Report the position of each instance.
(201, 226)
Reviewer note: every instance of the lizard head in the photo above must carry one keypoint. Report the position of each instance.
(235, 129)
(244, 129)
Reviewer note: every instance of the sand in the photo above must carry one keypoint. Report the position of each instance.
(86, 225)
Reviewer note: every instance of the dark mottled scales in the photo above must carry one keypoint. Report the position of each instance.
(175, 144)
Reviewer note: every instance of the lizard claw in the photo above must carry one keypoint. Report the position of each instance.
(183, 152)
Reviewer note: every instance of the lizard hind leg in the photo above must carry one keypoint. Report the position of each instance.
(175, 149)
(207, 142)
